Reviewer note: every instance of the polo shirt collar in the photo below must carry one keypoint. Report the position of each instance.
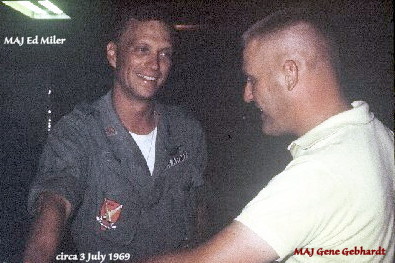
(359, 114)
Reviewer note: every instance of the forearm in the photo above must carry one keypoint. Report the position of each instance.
(236, 243)
(47, 229)
(181, 256)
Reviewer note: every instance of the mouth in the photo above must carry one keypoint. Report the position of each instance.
(259, 108)
(261, 113)
(147, 78)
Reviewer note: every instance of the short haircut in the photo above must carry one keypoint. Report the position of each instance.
(125, 14)
(284, 19)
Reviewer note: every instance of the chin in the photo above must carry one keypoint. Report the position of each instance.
(271, 131)
(140, 96)
(148, 94)
(145, 97)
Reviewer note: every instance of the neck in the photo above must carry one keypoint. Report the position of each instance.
(137, 116)
(319, 113)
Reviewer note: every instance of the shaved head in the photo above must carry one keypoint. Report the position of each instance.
(299, 30)
(292, 67)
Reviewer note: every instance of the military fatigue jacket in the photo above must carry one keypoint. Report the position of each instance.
(117, 205)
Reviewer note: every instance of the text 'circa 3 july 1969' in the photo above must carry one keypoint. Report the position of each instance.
(92, 257)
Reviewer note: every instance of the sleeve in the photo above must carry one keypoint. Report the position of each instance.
(290, 212)
(62, 165)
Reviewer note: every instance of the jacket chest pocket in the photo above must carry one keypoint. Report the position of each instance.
(184, 176)
(117, 208)
(180, 188)
(178, 202)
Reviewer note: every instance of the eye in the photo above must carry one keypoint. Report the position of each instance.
(250, 80)
(166, 54)
(141, 49)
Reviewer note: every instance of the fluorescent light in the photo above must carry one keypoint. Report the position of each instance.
(51, 7)
(29, 9)
(56, 16)
(18, 7)
(29, 5)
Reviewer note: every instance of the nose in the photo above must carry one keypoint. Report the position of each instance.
(248, 96)
(153, 62)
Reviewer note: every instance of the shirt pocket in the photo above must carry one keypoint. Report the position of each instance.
(184, 176)
(118, 208)
(180, 195)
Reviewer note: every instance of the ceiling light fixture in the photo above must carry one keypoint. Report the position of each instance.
(47, 11)
(29, 5)
(51, 7)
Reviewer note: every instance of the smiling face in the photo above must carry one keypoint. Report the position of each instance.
(266, 86)
(141, 59)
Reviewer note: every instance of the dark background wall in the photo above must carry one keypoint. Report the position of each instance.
(206, 78)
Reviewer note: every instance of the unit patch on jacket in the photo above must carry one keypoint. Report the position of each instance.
(109, 214)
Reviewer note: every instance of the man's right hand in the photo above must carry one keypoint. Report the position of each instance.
(51, 216)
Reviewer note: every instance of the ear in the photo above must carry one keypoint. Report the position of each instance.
(291, 74)
(112, 54)
(247, 95)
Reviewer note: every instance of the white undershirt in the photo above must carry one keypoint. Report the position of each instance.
(146, 143)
